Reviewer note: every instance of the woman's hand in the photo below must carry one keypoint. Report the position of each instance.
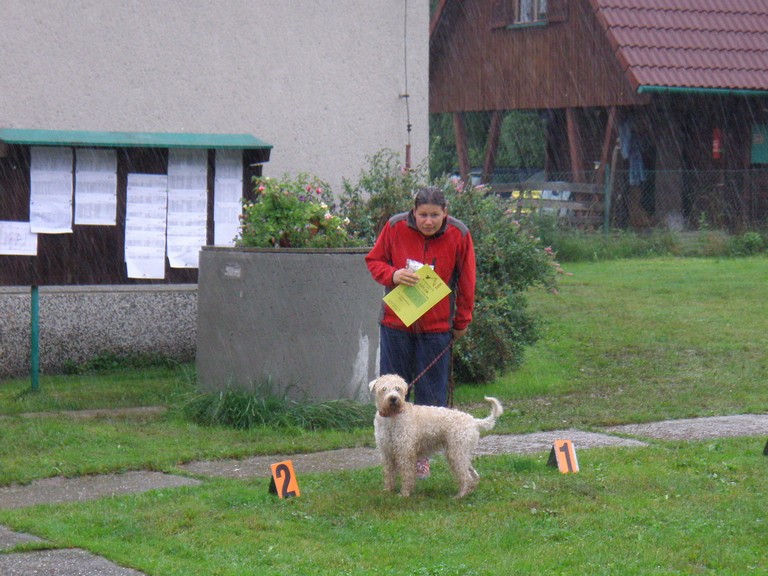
(458, 333)
(405, 276)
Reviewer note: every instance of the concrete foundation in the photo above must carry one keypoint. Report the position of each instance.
(79, 323)
(305, 322)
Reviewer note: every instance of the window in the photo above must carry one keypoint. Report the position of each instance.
(530, 11)
(507, 13)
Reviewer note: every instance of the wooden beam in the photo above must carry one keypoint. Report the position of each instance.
(492, 145)
(608, 140)
(574, 145)
(462, 150)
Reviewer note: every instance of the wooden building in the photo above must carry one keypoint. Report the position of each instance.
(671, 97)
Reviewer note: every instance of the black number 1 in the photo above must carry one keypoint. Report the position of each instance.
(564, 450)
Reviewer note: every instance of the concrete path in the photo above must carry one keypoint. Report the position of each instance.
(81, 563)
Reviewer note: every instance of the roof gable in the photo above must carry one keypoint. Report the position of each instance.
(693, 44)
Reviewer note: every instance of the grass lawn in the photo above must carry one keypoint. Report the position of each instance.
(623, 341)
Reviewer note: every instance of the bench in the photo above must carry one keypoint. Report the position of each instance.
(576, 203)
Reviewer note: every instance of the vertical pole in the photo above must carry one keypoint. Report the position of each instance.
(574, 145)
(35, 339)
(407, 157)
(462, 149)
(492, 145)
(607, 190)
(610, 174)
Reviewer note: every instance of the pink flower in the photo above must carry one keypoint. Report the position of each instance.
(261, 188)
(319, 190)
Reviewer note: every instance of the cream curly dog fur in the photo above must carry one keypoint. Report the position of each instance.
(406, 432)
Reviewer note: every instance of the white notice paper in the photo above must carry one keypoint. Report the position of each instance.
(96, 187)
(17, 239)
(50, 198)
(187, 215)
(227, 197)
(187, 206)
(145, 220)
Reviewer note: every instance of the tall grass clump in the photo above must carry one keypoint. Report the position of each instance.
(244, 410)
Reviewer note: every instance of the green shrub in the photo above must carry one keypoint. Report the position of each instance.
(510, 259)
(747, 244)
(574, 245)
(383, 189)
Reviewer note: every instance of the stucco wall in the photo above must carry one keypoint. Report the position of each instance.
(320, 80)
(80, 323)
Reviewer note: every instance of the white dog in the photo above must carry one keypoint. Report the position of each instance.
(407, 432)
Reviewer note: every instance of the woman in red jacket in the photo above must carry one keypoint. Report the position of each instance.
(425, 235)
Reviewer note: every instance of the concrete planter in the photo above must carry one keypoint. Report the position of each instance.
(307, 320)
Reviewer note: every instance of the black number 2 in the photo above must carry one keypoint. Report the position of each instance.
(282, 471)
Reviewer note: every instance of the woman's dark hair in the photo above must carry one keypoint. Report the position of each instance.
(429, 195)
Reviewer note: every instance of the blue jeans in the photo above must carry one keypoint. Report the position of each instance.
(407, 355)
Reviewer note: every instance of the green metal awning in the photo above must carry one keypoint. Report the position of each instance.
(130, 139)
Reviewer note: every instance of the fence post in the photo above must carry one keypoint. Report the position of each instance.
(608, 189)
(35, 339)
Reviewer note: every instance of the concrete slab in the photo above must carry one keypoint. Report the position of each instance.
(68, 562)
(259, 466)
(58, 490)
(10, 539)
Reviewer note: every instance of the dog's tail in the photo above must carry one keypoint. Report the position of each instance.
(487, 423)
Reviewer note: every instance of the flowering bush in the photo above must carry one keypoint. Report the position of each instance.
(292, 213)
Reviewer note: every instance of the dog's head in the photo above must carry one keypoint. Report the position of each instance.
(389, 392)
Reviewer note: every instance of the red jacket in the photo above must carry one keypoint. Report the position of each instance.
(452, 254)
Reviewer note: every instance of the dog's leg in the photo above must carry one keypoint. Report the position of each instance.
(389, 464)
(406, 467)
(460, 461)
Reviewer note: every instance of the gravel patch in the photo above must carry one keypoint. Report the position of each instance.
(542, 441)
(698, 428)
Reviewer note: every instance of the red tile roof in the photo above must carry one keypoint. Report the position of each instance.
(707, 44)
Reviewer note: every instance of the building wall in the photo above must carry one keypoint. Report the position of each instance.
(320, 80)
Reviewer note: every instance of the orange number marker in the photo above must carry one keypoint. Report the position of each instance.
(563, 455)
(284, 481)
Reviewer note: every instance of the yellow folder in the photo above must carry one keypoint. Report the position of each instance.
(411, 302)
